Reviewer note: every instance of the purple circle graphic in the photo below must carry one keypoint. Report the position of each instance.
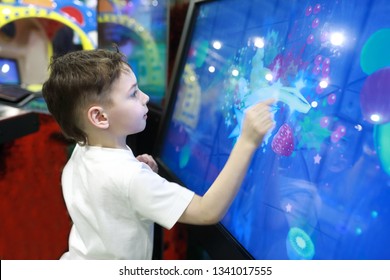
(375, 97)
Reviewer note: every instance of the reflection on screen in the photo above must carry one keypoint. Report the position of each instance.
(319, 185)
(139, 29)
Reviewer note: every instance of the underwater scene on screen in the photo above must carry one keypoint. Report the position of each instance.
(319, 185)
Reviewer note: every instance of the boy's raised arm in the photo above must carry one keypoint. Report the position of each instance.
(211, 208)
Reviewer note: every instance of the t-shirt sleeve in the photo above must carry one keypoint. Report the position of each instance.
(155, 198)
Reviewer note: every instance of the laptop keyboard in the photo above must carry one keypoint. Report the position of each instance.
(13, 93)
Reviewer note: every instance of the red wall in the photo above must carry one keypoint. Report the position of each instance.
(34, 223)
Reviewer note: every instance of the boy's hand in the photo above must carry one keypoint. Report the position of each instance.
(145, 158)
(257, 122)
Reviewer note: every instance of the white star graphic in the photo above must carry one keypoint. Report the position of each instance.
(317, 159)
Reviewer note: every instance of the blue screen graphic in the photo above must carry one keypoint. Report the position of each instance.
(9, 72)
(319, 185)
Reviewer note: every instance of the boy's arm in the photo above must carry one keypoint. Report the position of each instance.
(211, 208)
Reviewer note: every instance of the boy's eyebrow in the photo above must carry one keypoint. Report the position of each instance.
(132, 87)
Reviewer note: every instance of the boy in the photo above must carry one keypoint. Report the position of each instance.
(112, 197)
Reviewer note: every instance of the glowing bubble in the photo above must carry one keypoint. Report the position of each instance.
(317, 9)
(299, 245)
(327, 61)
(337, 38)
(374, 214)
(375, 118)
(341, 130)
(318, 60)
(269, 77)
(375, 97)
(259, 42)
(235, 72)
(382, 145)
(310, 39)
(325, 71)
(332, 99)
(185, 155)
(315, 23)
(324, 122)
(335, 136)
(375, 52)
(217, 45)
(324, 84)
(308, 11)
(316, 70)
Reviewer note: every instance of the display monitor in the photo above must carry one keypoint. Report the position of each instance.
(9, 71)
(318, 186)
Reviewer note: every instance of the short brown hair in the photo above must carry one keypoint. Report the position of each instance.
(76, 80)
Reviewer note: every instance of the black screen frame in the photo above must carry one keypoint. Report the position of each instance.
(215, 240)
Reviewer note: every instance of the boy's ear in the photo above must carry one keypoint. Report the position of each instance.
(98, 117)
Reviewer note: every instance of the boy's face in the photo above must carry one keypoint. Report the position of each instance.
(127, 114)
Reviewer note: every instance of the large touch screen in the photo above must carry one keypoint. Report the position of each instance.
(319, 185)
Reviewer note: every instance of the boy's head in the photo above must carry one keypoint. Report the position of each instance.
(77, 80)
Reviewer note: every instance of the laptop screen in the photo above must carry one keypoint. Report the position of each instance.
(10, 83)
(9, 71)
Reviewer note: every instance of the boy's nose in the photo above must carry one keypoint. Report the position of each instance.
(146, 98)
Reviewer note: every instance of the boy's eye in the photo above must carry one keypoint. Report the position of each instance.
(134, 93)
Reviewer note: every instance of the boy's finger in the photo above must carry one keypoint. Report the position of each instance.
(269, 101)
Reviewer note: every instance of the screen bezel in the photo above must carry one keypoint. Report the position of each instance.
(215, 239)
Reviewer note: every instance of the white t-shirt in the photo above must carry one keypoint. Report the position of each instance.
(114, 200)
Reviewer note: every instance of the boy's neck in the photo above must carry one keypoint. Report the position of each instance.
(108, 143)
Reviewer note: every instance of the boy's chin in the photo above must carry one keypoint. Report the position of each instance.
(138, 130)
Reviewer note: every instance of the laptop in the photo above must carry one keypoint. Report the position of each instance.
(11, 90)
